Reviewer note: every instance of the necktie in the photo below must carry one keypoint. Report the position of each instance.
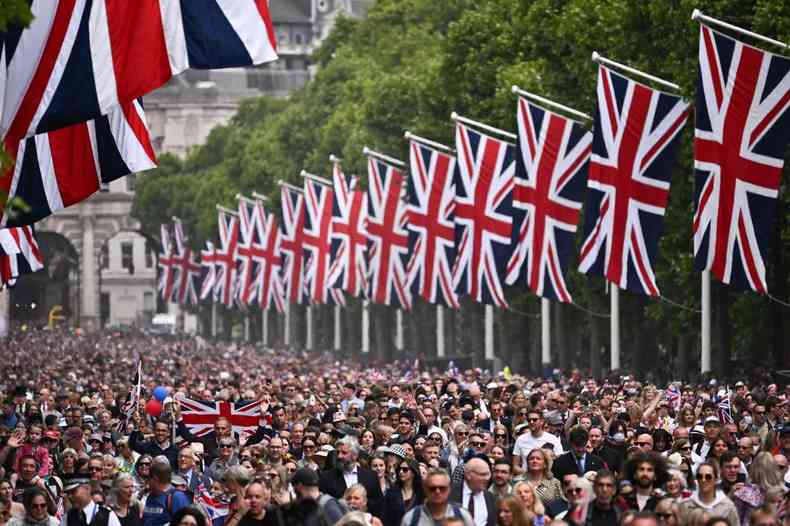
(580, 461)
(471, 506)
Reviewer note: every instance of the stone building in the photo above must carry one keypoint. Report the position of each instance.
(98, 266)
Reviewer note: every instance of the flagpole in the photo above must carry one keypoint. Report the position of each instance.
(365, 327)
(309, 322)
(608, 62)
(338, 319)
(489, 332)
(246, 328)
(545, 332)
(698, 15)
(287, 326)
(260, 197)
(614, 298)
(457, 118)
(439, 331)
(214, 319)
(427, 142)
(537, 98)
(228, 211)
(382, 157)
(705, 356)
(399, 330)
(265, 327)
(317, 179)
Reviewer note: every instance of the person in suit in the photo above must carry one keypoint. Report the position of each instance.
(347, 472)
(473, 494)
(577, 461)
(191, 475)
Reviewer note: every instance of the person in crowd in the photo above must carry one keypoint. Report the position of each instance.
(82, 508)
(122, 501)
(189, 516)
(35, 503)
(13, 509)
(648, 471)
(535, 438)
(160, 445)
(473, 492)
(524, 491)
(405, 493)
(708, 497)
(577, 460)
(539, 474)
(357, 499)
(763, 475)
(335, 481)
(163, 501)
(502, 478)
(511, 512)
(437, 507)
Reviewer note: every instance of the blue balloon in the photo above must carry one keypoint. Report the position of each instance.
(160, 392)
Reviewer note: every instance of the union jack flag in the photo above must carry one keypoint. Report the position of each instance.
(635, 137)
(431, 217)
(214, 508)
(80, 60)
(19, 253)
(724, 408)
(167, 266)
(292, 244)
(349, 266)
(318, 239)
(187, 267)
(267, 281)
(483, 215)
(246, 289)
(741, 132)
(388, 241)
(208, 260)
(60, 168)
(200, 415)
(551, 173)
(227, 271)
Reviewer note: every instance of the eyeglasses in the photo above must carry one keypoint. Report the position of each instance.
(440, 489)
(227, 446)
(94, 469)
(478, 444)
(705, 476)
(523, 414)
(461, 433)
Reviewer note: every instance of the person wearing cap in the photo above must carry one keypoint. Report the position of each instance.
(348, 472)
(712, 430)
(311, 504)
(83, 511)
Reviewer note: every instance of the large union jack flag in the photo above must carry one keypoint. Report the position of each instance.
(349, 264)
(167, 265)
(551, 173)
(200, 416)
(388, 240)
(225, 259)
(742, 129)
(19, 253)
(186, 266)
(292, 244)
(319, 201)
(208, 260)
(431, 217)
(483, 214)
(60, 168)
(635, 139)
(82, 59)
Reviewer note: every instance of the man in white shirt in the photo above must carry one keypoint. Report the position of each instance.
(535, 438)
(85, 512)
(472, 493)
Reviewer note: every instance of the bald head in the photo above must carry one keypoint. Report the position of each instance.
(477, 474)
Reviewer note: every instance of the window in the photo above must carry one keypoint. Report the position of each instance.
(127, 256)
(104, 257)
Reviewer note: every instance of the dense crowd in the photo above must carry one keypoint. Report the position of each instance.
(337, 442)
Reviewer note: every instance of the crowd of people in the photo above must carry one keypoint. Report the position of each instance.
(341, 443)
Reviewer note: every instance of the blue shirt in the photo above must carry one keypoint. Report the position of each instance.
(158, 513)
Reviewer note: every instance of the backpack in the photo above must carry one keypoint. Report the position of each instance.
(331, 508)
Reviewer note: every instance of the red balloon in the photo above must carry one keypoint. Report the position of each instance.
(153, 407)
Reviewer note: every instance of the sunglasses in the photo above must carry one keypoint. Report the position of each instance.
(576, 491)
(144, 464)
(440, 489)
(704, 476)
(404, 469)
(644, 444)
(227, 446)
(308, 446)
(461, 433)
(532, 419)
(478, 444)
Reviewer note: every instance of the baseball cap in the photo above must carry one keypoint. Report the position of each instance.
(712, 420)
(75, 482)
(305, 476)
(52, 435)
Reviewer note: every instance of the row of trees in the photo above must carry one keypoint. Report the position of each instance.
(412, 63)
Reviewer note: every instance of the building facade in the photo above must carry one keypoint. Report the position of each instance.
(98, 266)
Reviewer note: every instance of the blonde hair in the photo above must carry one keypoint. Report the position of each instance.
(537, 504)
(763, 472)
(547, 461)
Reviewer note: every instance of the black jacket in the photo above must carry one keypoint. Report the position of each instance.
(394, 508)
(332, 483)
(150, 447)
(209, 440)
(566, 464)
(456, 497)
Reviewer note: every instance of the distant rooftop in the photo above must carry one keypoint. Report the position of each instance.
(290, 11)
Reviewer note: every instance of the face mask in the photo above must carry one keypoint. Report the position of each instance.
(618, 438)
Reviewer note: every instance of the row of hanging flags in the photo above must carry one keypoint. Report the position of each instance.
(71, 119)
(492, 213)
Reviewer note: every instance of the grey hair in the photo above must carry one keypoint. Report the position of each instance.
(351, 442)
(677, 474)
(352, 518)
(112, 497)
(238, 474)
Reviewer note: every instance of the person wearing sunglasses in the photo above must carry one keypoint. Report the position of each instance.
(535, 438)
(404, 494)
(667, 512)
(34, 501)
(708, 497)
(227, 458)
(437, 506)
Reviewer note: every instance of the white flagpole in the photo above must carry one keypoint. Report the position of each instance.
(608, 62)
(489, 332)
(399, 330)
(545, 332)
(697, 15)
(548, 102)
(287, 326)
(614, 297)
(246, 328)
(265, 327)
(477, 124)
(365, 327)
(439, 331)
(213, 319)
(705, 357)
(309, 322)
(338, 319)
